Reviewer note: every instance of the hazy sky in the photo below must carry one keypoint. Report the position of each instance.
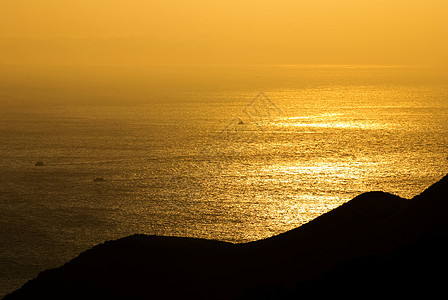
(223, 32)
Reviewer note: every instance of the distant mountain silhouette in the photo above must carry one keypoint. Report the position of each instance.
(376, 245)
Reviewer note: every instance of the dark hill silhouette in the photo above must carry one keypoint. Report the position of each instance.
(376, 244)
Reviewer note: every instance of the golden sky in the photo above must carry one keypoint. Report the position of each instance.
(121, 32)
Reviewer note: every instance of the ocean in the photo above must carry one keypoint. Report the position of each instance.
(235, 153)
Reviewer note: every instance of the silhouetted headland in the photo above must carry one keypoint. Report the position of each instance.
(377, 244)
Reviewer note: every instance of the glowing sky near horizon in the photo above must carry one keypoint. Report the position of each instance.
(224, 32)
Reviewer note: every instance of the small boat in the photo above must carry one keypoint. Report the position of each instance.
(98, 179)
(240, 122)
(39, 164)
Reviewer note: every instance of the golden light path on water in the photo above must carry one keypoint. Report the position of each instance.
(311, 123)
(286, 190)
(318, 156)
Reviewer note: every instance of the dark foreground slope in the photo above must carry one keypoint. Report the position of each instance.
(404, 255)
(375, 245)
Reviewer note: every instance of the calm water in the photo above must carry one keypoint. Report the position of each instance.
(202, 155)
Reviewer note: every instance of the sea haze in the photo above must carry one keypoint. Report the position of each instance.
(229, 153)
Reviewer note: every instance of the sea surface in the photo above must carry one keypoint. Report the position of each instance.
(230, 153)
